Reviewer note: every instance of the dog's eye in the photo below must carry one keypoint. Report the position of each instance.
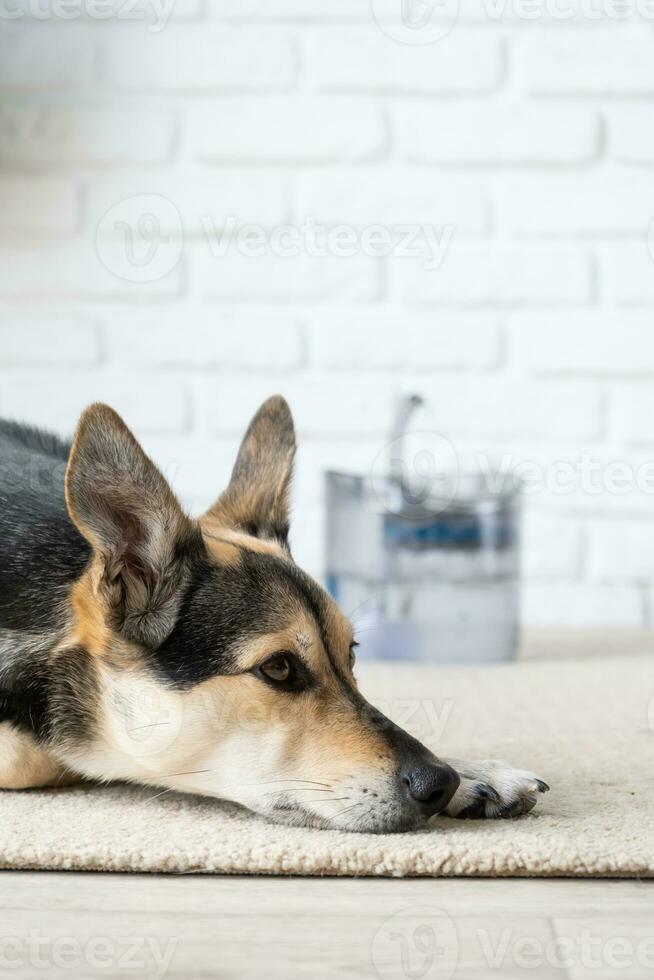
(278, 668)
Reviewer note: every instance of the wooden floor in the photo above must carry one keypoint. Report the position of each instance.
(88, 925)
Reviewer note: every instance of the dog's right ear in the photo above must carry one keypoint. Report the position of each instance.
(256, 499)
(124, 507)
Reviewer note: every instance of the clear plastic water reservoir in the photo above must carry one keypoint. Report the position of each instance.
(432, 578)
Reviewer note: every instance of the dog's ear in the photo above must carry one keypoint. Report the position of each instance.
(124, 507)
(256, 500)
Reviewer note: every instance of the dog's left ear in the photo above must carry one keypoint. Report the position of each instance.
(140, 536)
(256, 500)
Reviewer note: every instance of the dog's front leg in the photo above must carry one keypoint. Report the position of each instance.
(25, 765)
(493, 789)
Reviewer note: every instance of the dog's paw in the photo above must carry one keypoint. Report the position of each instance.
(494, 789)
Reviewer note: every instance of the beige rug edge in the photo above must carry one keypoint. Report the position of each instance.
(584, 726)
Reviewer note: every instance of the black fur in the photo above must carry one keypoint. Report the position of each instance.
(226, 604)
(41, 555)
(41, 551)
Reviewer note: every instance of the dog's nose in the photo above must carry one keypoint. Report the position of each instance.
(431, 785)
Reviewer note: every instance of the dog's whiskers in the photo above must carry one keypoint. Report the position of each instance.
(368, 811)
(267, 782)
(188, 772)
(335, 816)
(140, 728)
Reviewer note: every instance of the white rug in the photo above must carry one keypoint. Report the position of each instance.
(586, 727)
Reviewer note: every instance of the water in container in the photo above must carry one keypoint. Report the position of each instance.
(430, 576)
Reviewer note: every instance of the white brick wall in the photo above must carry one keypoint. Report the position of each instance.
(521, 139)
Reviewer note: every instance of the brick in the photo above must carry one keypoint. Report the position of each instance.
(550, 204)
(633, 411)
(610, 65)
(631, 134)
(494, 276)
(205, 338)
(55, 400)
(394, 197)
(627, 270)
(551, 546)
(201, 58)
(367, 340)
(44, 59)
(39, 338)
(248, 198)
(595, 343)
(369, 60)
(575, 605)
(496, 134)
(502, 408)
(286, 129)
(347, 405)
(38, 205)
(622, 549)
(38, 136)
(274, 278)
(74, 270)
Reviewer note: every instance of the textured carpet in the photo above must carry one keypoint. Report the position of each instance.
(586, 727)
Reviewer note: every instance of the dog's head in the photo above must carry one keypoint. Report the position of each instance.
(221, 668)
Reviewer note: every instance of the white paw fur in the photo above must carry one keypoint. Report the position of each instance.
(492, 789)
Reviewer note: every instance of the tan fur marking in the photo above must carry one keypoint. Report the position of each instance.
(23, 765)
(217, 535)
(90, 629)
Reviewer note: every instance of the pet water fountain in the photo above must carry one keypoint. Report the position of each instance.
(425, 561)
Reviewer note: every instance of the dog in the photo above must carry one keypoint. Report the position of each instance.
(140, 645)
